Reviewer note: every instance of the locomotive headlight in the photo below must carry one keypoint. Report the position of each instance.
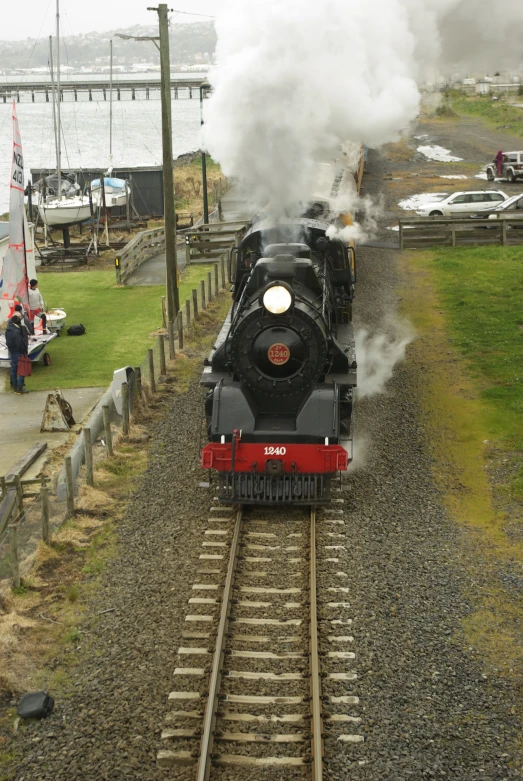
(277, 300)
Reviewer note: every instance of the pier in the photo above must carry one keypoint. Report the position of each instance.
(97, 89)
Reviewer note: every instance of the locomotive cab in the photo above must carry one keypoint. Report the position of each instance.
(281, 375)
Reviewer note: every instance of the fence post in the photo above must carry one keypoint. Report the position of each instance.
(187, 253)
(70, 486)
(13, 551)
(3, 488)
(503, 233)
(20, 495)
(125, 409)
(138, 381)
(195, 303)
(216, 283)
(88, 453)
(164, 315)
(44, 499)
(107, 427)
(401, 234)
(161, 348)
(222, 265)
(170, 331)
(453, 235)
(202, 289)
(180, 330)
(151, 370)
(209, 287)
(188, 313)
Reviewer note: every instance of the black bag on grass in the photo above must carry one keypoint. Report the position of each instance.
(35, 705)
(76, 330)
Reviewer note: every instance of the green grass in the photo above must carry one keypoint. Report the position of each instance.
(118, 321)
(481, 290)
(495, 113)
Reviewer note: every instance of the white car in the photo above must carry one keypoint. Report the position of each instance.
(464, 202)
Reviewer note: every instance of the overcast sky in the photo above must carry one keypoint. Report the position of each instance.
(35, 18)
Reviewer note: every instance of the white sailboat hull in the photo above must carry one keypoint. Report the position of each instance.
(65, 212)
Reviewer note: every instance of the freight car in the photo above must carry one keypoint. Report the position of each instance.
(281, 375)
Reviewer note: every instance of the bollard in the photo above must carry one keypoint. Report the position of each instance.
(187, 314)
(170, 331)
(216, 283)
(180, 330)
(161, 349)
(151, 370)
(195, 303)
(108, 432)
(13, 554)
(202, 289)
(70, 486)
(88, 453)
(222, 266)
(44, 499)
(125, 409)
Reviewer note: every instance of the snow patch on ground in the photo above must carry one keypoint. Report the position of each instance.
(483, 175)
(439, 153)
(424, 137)
(393, 228)
(450, 176)
(415, 201)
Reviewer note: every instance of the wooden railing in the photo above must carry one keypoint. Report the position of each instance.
(144, 246)
(451, 232)
(209, 242)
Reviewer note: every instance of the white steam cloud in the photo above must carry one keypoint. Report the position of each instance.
(378, 355)
(297, 79)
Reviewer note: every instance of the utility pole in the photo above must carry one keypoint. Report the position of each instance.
(173, 295)
(204, 87)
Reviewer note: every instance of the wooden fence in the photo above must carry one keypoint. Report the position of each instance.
(451, 232)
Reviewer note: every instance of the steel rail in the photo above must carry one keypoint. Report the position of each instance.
(207, 741)
(315, 680)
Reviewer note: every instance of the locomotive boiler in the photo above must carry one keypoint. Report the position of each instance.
(281, 375)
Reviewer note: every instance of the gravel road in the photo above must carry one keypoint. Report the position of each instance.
(428, 708)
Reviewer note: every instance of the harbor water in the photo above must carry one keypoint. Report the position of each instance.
(137, 132)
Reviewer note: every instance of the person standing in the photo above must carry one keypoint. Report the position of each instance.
(36, 304)
(499, 163)
(17, 340)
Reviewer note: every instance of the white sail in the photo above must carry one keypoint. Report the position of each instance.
(13, 283)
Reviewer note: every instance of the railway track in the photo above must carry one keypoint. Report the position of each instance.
(267, 642)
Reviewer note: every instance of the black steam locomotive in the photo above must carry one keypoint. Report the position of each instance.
(281, 375)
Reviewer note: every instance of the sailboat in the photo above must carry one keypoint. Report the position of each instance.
(18, 262)
(117, 191)
(59, 210)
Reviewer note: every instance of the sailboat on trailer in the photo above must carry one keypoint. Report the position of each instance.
(58, 210)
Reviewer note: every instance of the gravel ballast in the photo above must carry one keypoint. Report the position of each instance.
(429, 706)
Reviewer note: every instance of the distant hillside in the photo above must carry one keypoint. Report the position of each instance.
(191, 44)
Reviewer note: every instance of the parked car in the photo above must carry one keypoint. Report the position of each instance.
(512, 167)
(510, 209)
(465, 202)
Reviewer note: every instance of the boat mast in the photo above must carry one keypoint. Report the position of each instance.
(53, 89)
(111, 110)
(58, 100)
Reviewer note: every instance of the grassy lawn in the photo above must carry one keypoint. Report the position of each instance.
(495, 113)
(481, 291)
(118, 320)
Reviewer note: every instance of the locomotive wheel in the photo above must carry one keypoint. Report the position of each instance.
(47, 359)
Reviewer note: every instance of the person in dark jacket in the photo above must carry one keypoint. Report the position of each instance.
(17, 340)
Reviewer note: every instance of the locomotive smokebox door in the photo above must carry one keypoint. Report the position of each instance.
(274, 467)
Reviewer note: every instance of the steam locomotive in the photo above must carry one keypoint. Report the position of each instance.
(281, 375)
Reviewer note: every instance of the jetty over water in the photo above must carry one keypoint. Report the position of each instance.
(97, 88)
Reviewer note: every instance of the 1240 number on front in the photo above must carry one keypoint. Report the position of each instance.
(275, 451)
